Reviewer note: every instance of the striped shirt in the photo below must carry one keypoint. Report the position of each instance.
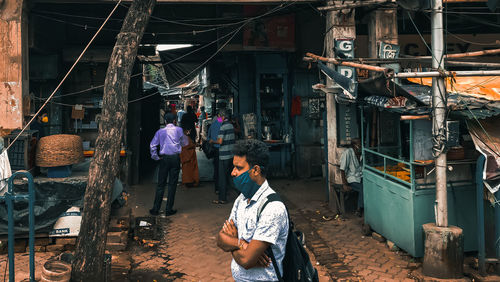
(226, 133)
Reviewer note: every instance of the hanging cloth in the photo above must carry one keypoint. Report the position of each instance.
(5, 171)
(296, 106)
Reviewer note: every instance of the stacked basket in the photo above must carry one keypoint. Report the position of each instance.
(59, 150)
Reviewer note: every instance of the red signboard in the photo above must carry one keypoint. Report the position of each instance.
(274, 32)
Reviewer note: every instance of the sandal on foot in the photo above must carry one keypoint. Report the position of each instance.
(219, 202)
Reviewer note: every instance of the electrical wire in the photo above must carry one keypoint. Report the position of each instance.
(206, 61)
(151, 21)
(177, 83)
(141, 73)
(84, 26)
(275, 9)
(496, 43)
(467, 13)
(66, 76)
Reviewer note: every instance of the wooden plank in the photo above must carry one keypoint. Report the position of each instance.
(178, 1)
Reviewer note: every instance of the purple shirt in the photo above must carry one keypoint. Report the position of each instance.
(171, 140)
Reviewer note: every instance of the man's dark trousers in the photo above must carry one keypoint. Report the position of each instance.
(216, 169)
(169, 169)
(225, 167)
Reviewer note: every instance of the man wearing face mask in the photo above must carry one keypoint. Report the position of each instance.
(352, 172)
(245, 236)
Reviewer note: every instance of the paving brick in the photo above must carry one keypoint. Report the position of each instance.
(55, 248)
(36, 249)
(42, 241)
(65, 241)
(116, 246)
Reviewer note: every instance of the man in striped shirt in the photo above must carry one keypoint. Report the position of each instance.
(226, 140)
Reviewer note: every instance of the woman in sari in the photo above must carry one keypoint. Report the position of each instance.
(190, 175)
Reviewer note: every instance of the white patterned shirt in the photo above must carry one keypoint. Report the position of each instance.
(272, 227)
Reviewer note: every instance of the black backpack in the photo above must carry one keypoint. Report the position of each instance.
(296, 263)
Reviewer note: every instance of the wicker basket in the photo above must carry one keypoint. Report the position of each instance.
(59, 150)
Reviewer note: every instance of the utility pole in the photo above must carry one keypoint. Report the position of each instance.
(439, 117)
(444, 245)
(340, 24)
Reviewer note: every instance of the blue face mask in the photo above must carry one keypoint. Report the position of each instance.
(246, 185)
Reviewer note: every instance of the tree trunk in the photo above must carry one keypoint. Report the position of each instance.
(91, 243)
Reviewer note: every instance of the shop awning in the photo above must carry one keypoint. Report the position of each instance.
(484, 87)
(486, 136)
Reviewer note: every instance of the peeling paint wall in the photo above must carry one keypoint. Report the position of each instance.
(13, 64)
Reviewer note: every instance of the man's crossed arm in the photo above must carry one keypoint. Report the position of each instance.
(248, 255)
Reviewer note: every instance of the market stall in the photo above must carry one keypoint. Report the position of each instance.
(399, 189)
(398, 164)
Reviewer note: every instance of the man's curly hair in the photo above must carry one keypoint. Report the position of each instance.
(256, 153)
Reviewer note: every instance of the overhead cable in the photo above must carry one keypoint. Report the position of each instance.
(65, 76)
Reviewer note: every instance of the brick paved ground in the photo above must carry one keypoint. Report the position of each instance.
(22, 265)
(338, 243)
(188, 251)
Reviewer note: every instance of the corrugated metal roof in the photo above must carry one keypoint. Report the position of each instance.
(484, 87)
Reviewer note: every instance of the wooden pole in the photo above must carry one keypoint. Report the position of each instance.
(91, 243)
(447, 74)
(348, 64)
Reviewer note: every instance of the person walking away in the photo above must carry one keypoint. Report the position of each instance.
(213, 134)
(190, 174)
(188, 122)
(226, 141)
(352, 172)
(245, 237)
(201, 119)
(170, 141)
(180, 113)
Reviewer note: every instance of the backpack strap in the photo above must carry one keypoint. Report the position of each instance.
(271, 198)
(275, 264)
(274, 197)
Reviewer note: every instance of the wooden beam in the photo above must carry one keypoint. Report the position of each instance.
(177, 1)
(353, 5)
(348, 64)
(447, 74)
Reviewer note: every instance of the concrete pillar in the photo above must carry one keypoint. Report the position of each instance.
(340, 24)
(444, 252)
(13, 63)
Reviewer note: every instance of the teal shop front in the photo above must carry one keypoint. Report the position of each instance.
(399, 192)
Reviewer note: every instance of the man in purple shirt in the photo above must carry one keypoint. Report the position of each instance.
(170, 141)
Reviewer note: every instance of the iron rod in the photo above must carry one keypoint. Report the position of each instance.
(481, 252)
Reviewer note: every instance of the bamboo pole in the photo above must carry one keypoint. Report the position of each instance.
(349, 64)
(446, 74)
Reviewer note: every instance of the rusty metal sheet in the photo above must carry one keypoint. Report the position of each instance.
(486, 137)
(484, 87)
